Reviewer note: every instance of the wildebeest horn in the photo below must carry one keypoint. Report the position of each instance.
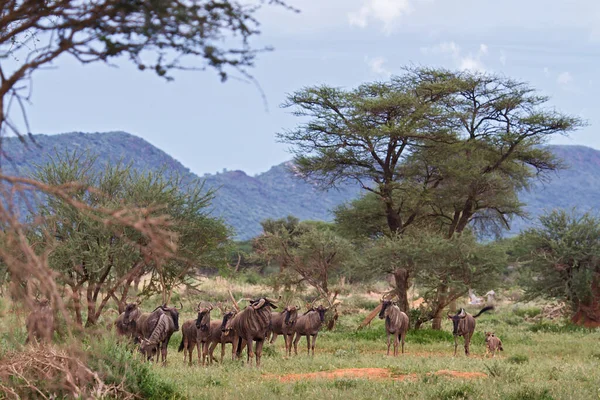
(271, 300)
(210, 306)
(180, 306)
(261, 303)
(449, 316)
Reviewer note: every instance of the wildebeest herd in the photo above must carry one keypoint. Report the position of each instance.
(248, 328)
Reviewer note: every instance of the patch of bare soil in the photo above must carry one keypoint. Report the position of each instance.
(363, 373)
(460, 374)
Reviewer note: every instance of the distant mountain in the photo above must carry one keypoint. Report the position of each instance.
(243, 201)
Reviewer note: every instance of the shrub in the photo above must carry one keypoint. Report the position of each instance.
(518, 359)
(463, 391)
(426, 336)
(528, 393)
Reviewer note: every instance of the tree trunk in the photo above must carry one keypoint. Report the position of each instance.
(77, 306)
(588, 315)
(393, 218)
(401, 277)
(442, 298)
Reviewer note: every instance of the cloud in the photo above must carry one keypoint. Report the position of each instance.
(377, 66)
(469, 62)
(386, 12)
(564, 78)
(502, 57)
(546, 72)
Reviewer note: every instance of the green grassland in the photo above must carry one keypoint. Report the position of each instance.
(541, 360)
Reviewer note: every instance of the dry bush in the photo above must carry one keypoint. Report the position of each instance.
(62, 374)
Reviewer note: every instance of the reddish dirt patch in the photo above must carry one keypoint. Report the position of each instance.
(364, 373)
(460, 374)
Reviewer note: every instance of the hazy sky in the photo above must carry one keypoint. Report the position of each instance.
(208, 126)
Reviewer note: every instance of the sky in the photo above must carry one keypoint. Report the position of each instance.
(210, 126)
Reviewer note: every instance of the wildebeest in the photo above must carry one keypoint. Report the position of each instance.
(194, 333)
(216, 336)
(464, 325)
(396, 324)
(147, 325)
(492, 344)
(40, 323)
(283, 323)
(309, 325)
(125, 323)
(251, 324)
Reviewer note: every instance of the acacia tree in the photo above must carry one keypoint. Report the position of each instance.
(561, 259)
(452, 147)
(314, 253)
(98, 262)
(153, 35)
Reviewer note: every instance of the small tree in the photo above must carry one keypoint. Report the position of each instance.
(99, 263)
(562, 257)
(314, 253)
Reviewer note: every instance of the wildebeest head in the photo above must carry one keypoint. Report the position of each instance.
(174, 313)
(385, 304)
(226, 317)
(147, 348)
(131, 311)
(291, 314)
(263, 302)
(456, 320)
(321, 310)
(203, 320)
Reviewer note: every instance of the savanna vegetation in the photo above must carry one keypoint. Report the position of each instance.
(440, 155)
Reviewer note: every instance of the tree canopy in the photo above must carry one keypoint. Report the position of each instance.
(562, 259)
(102, 261)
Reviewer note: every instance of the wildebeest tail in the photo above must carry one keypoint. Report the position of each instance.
(180, 349)
(484, 309)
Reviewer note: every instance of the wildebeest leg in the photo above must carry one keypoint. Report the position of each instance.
(314, 341)
(249, 344)
(259, 346)
(455, 344)
(163, 351)
(199, 350)
(467, 342)
(288, 344)
(234, 345)
(273, 337)
(396, 342)
(403, 335)
(308, 344)
(388, 343)
(296, 340)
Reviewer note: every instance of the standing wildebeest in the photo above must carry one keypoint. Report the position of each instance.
(126, 321)
(251, 324)
(40, 323)
(464, 325)
(194, 333)
(492, 344)
(283, 323)
(216, 335)
(396, 324)
(309, 325)
(147, 325)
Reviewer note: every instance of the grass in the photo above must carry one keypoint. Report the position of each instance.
(554, 362)
(545, 364)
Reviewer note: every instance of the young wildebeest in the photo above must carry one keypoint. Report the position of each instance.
(492, 344)
(147, 325)
(216, 336)
(251, 324)
(396, 324)
(283, 323)
(40, 323)
(194, 333)
(309, 325)
(125, 323)
(464, 325)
